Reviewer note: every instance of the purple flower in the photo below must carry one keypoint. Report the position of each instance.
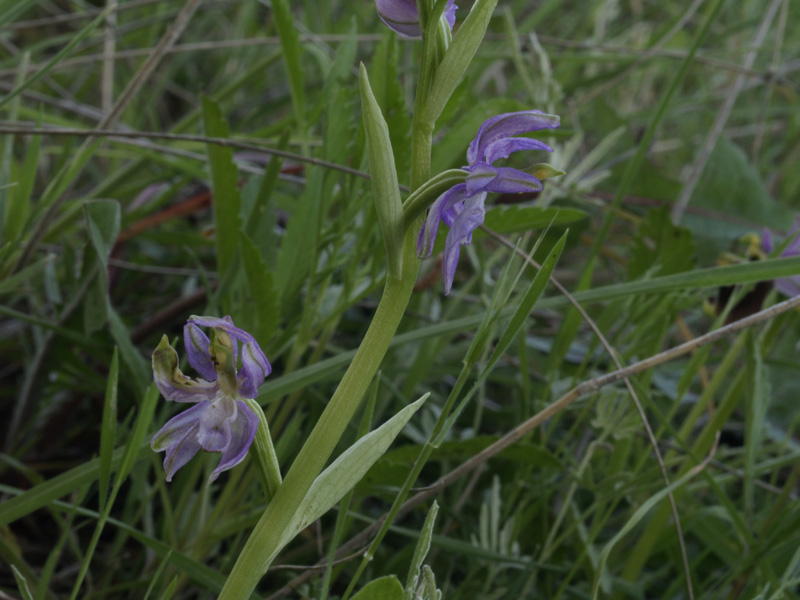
(401, 16)
(461, 207)
(788, 286)
(220, 421)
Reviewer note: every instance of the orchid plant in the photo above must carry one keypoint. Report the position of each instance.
(226, 417)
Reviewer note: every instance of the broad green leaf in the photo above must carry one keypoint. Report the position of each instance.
(348, 469)
(385, 187)
(383, 588)
(108, 429)
(224, 181)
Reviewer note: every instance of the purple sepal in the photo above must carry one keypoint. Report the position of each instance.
(172, 383)
(242, 430)
(469, 218)
(197, 345)
(506, 126)
(179, 438)
(401, 16)
(443, 208)
(255, 366)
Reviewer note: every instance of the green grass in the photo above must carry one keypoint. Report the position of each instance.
(107, 243)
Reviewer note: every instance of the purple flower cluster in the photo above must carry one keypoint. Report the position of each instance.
(220, 420)
(461, 207)
(401, 16)
(788, 286)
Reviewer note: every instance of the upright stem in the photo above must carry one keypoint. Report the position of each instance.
(267, 537)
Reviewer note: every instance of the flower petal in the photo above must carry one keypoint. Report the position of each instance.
(172, 383)
(440, 209)
(504, 147)
(214, 434)
(513, 181)
(468, 220)
(505, 126)
(788, 286)
(243, 430)
(401, 16)
(174, 429)
(197, 344)
(255, 368)
(179, 438)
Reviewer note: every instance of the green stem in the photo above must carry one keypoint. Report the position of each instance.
(267, 537)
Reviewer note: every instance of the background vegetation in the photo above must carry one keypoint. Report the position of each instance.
(109, 241)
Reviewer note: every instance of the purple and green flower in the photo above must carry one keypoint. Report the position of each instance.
(220, 420)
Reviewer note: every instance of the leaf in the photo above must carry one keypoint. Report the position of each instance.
(103, 222)
(513, 219)
(108, 429)
(224, 180)
(420, 551)
(385, 187)
(292, 51)
(383, 588)
(262, 290)
(640, 513)
(660, 246)
(22, 584)
(131, 357)
(348, 469)
(457, 58)
(389, 93)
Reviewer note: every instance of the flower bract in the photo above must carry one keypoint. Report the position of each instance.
(232, 367)
(401, 16)
(461, 207)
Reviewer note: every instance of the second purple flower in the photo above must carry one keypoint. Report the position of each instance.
(461, 207)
